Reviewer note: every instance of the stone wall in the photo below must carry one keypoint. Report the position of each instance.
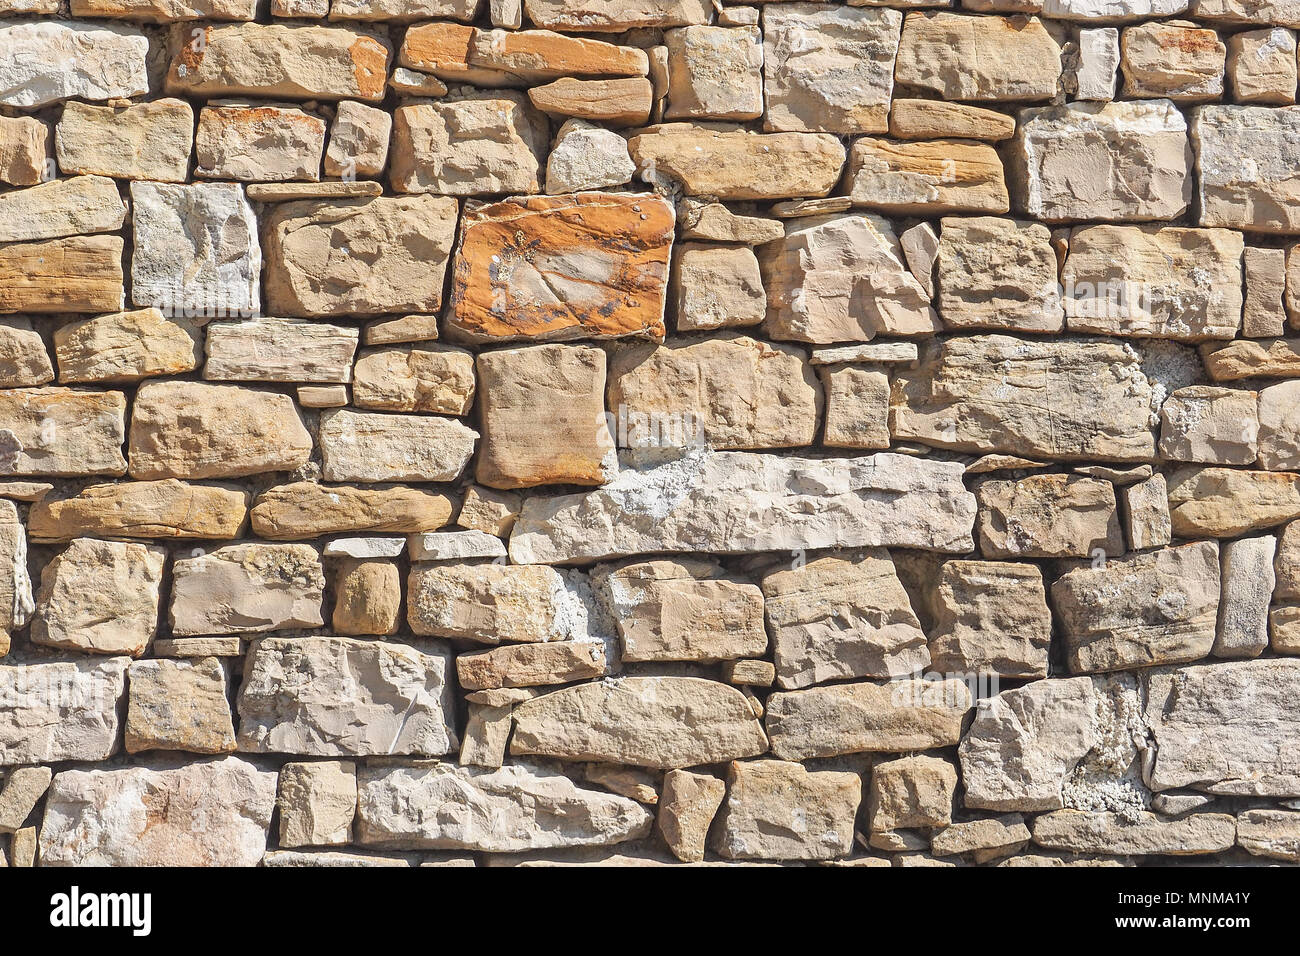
(643, 431)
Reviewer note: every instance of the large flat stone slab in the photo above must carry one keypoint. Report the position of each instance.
(732, 502)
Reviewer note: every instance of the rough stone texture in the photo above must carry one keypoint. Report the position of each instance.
(1109, 161)
(562, 267)
(358, 256)
(675, 611)
(305, 509)
(263, 142)
(926, 179)
(300, 61)
(1110, 621)
(62, 207)
(729, 502)
(911, 792)
(842, 278)
(192, 430)
(1244, 167)
(101, 597)
(317, 803)
(1224, 728)
(643, 721)
(988, 393)
(961, 57)
(1048, 516)
(866, 717)
(535, 400)
(372, 447)
(829, 69)
(210, 813)
(1053, 744)
(686, 809)
(61, 432)
(520, 807)
(141, 509)
(61, 711)
(839, 617)
(1154, 282)
(338, 697)
(769, 407)
(125, 347)
(725, 387)
(247, 587)
(484, 143)
(782, 811)
(727, 163)
(998, 274)
(179, 705)
(1178, 62)
(990, 617)
(45, 62)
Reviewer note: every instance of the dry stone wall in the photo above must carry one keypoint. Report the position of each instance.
(478, 432)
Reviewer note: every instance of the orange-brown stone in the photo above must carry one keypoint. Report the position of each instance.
(546, 268)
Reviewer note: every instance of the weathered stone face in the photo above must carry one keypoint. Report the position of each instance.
(45, 62)
(514, 808)
(371, 447)
(671, 611)
(77, 274)
(728, 163)
(990, 617)
(763, 796)
(841, 278)
(62, 207)
(100, 596)
(866, 717)
(842, 617)
(195, 250)
(125, 347)
(24, 146)
(730, 502)
(1048, 516)
(592, 265)
(317, 802)
(61, 431)
(1243, 165)
(259, 143)
(480, 144)
(211, 813)
(1110, 622)
(278, 60)
(1052, 744)
(305, 509)
(179, 705)
(141, 141)
(978, 58)
(1224, 728)
(1166, 59)
(534, 400)
(382, 255)
(192, 430)
(338, 697)
(1149, 281)
(642, 721)
(490, 603)
(61, 711)
(829, 70)
(714, 73)
(246, 588)
(998, 274)
(1109, 161)
(926, 179)
(983, 393)
(684, 381)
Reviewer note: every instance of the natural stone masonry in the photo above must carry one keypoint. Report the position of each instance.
(649, 432)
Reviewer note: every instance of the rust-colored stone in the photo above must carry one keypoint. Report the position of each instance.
(545, 268)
